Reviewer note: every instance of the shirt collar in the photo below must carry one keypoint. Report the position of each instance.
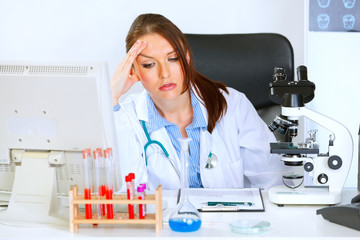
(198, 117)
(156, 121)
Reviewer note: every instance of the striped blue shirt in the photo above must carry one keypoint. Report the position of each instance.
(156, 121)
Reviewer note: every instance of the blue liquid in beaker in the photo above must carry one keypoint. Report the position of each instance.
(184, 225)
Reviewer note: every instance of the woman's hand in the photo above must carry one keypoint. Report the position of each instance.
(123, 78)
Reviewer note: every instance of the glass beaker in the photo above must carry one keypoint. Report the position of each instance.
(185, 217)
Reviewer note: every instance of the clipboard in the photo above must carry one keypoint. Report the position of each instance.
(226, 200)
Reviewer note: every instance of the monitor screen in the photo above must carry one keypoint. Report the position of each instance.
(50, 112)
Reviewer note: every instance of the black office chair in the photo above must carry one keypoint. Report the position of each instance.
(245, 62)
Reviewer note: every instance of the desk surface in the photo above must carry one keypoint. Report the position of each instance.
(295, 222)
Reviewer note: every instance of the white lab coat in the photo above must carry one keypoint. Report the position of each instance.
(240, 141)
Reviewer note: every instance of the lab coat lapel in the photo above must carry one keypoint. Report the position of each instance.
(162, 136)
(141, 107)
(159, 135)
(205, 147)
(205, 136)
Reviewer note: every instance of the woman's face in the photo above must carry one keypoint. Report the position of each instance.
(159, 69)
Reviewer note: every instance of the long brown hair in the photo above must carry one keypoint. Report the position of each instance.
(208, 90)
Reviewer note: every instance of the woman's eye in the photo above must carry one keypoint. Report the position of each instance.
(173, 59)
(148, 65)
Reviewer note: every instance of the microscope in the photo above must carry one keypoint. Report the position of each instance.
(322, 175)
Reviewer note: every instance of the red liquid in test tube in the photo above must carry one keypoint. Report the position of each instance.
(102, 189)
(88, 210)
(130, 195)
(109, 182)
(98, 177)
(133, 188)
(132, 179)
(87, 189)
(109, 207)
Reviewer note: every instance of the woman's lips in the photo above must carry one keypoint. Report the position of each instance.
(167, 87)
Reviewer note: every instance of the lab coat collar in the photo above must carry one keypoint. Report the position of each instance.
(198, 116)
(202, 105)
(141, 106)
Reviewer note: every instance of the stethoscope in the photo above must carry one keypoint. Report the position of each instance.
(211, 161)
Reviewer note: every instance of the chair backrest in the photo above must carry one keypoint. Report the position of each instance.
(243, 61)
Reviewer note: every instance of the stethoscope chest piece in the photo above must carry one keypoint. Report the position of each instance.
(212, 161)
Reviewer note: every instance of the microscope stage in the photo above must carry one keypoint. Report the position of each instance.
(303, 196)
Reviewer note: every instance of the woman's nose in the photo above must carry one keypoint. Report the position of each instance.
(164, 71)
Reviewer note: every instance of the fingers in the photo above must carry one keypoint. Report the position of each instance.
(136, 49)
(133, 54)
(124, 77)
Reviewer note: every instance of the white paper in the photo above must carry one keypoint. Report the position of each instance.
(199, 197)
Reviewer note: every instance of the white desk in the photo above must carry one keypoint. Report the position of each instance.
(289, 222)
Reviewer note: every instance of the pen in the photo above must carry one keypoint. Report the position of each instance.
(229, 203)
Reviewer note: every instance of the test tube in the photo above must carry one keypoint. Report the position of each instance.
(133, 188)
(130, 195)
(141, 196)
(132, 176)
(102, 176)
(109, 182)
(98, 182)
(87, 188)
(143, 185)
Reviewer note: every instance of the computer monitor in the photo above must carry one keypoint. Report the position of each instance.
(49, 113)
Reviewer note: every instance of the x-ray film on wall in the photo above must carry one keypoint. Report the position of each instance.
(335, 15)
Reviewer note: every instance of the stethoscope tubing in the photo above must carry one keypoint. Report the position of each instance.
(209, 163)
(150, 141)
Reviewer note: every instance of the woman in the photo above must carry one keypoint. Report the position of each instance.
(180, 102)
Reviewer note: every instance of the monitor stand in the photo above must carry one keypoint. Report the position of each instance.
(33, 201)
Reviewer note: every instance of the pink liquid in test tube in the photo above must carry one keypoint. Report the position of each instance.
(141, 196)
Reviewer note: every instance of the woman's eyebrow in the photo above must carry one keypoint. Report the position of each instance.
(143, 55)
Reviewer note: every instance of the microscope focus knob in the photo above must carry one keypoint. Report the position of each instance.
(334, 162)
(309, 166)
(323, 178)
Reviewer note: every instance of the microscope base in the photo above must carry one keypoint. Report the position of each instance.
(303, 196)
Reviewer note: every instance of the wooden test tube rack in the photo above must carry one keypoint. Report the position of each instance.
(77, 218)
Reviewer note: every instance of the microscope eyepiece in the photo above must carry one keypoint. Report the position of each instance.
(302, 73)
(280, 88)
(279, 74)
